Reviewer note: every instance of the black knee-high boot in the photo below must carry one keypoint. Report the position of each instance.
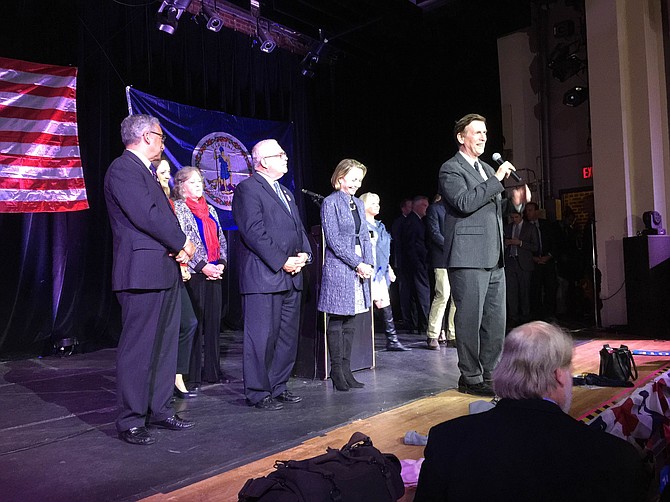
(392, 342)
(334, 340)
(348, 333)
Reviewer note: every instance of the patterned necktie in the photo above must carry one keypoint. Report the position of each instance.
(281, 195)
(479, 168)
(514, 250)
(539, 236)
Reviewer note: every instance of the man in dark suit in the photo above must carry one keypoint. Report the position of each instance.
(473, 249)
(528, 448)
(274, 251)
(414, 255)
(402, 283)
(521, 243)
(543, 282)
(145, 277)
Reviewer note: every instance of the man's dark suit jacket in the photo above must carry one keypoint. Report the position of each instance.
(529, 236)
(528, 450)
(434, 239)
(270, 235)
(144, 227)
(413, 243)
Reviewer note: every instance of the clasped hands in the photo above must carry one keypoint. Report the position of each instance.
(213, 272)
(186, 252)
(364, 270)
(294, 264)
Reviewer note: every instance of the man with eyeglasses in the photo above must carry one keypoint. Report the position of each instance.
(274, 251)
(148, 243)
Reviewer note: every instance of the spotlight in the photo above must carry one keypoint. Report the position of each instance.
(214, 22)
(267, 42)
(65, 346)
(564, 62)
(576, 96)
(169, 13)
(308, 64)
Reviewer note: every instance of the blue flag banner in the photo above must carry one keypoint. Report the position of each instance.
(217, 143)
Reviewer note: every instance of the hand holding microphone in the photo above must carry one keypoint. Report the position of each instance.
(499, 160)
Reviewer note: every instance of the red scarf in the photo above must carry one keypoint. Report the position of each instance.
(200, 210)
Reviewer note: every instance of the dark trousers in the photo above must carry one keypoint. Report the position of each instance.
(419, 297)
(188, 323)
(271, 322)
(146, 358)
(543, 286)
(518, 292)
(479, 295)
(206, 297)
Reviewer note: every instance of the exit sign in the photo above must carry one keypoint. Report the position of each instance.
(587, 172)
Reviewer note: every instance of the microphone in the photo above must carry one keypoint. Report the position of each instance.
(499, 160)
(313, 195)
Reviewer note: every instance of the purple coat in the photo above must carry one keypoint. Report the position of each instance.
(339, 267)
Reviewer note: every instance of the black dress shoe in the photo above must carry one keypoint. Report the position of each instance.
(288, 397)
(174, 423)
(482, 389)
(137, 435)
(269, 404)
(189, 394)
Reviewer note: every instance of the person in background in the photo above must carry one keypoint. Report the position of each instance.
(521, 242)
(347, 268)
(200, 222)
(415, 262)
(273, 252)
(527, 448)
(402, 282)
(435, 243)
(188, 322)
(383, 273)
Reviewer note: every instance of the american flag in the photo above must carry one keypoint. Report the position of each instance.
(40, 166)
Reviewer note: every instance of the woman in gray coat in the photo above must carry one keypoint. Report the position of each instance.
(347, 268)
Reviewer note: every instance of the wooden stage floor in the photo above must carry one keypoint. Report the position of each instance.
(387, 429)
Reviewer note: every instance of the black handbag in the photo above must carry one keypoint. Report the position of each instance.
(617, 364)
(358, 472)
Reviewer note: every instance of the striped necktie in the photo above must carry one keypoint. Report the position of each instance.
(281, 195)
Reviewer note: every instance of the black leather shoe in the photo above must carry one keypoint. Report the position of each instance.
(137, 435)
(482, 389)
(269, 404)
(288, 397)
(174, 423)
(189, 394)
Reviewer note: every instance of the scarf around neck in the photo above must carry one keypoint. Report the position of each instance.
(208, 228)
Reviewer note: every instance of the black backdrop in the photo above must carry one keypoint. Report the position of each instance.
(392, 109)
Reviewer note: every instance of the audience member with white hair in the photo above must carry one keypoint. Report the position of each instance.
(527, 448)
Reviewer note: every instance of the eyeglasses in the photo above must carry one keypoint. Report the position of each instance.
(162, 135)
(281, 155)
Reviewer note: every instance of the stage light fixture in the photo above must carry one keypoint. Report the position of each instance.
(576, 96)
(65, 346)
(169, 13)
(263, 32)
(214, 22)
(308, 64)
(564, 62)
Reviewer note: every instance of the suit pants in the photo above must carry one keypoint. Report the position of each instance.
(146, 358)
(188, 323)
(543, 286)
(206, 297)
(419, 297)
(271, 322)
(439, 306)
(518, 291)
(479, 295)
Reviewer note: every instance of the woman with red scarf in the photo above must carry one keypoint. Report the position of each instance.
(200, 223)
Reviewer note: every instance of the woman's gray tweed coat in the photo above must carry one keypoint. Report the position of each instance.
(339, 266)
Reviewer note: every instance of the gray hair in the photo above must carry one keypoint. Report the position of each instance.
(256, 156)
(134, 126)
(531, 354)
(181, 177)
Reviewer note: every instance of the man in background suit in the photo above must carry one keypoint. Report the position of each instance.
(414, 256)
(527, 447)
(274, 251)
(145, 277)
(473, 249)
(521, 243)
